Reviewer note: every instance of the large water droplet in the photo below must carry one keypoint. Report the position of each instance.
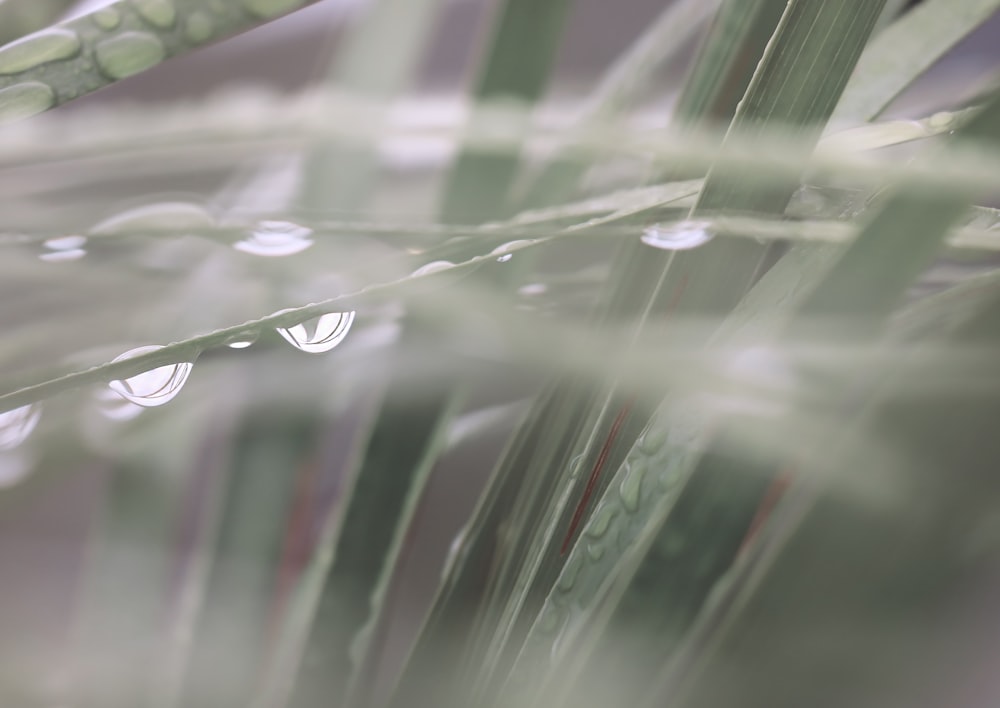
(320, 334)
(631, 486)
(17, 425)
(159, 13)
(432, 267)
(276, 238)
(107, 18)
(154, 387)
(267, 9)
(680, 236)
(65, 248)
(198, 27)
(37, 49)
(157, 217)
(601, 521)
(129, 53)
(24, 100)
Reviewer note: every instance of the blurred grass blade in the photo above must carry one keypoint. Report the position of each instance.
(125, 38)
(621, 84)
(339, 176)
(21, 17)
(516, 69)
(904, 51)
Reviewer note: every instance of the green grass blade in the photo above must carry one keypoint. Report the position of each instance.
(74, 58)
(339, 176)
(516, 69)
(904, 51)
(621, 83)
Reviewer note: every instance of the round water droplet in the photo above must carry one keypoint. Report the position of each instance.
(273, 239)
(652, 440)
(129, 53)
(600, 522)
(432, 267)
(159, 13)
(569, 574)
(154, 387)
(24, 100)
(503, 250)
(198, 27)
(631, 486)
(321, 334)
(595, 551)
(107, 18)
(17, 425)
(37, 49)
(65, 248)
(163, 216)
(680, 236)
(267, 9)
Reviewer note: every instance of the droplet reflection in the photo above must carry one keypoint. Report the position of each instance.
(154, 387)
(320, 334)
(17, 425)
(273, 239)
(65, 248)
(681, 236)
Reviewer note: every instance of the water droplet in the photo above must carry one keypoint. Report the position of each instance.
(198, 27)
(129, 53)
(680, 236)
(276, 238)
(631, 486)
(569, 574)
(156, 217)
(159, 13)
(533, 289)
(242, 341)
(503, 250)
(107, 18)
(24, 100)
(17, 425)
(601, 521)
(320, 334)
(266, 9)
(595, 551)
(652, 440)
(154, 387)
(65, 248)
(432, 267)
(113, 406)
(37, 49)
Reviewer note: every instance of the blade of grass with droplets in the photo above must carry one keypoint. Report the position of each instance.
(339, 176)
(784, 90)
(858, 293)
(74, 58)
(622, 83)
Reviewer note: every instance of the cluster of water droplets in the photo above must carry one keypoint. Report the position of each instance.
(679, 236)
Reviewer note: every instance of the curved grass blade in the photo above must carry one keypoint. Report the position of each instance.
(74, 58)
